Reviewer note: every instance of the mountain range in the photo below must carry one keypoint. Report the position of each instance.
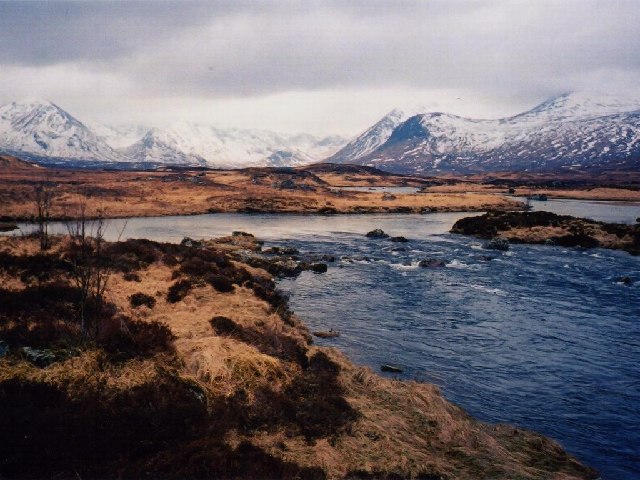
(570, 131)
(42, 131)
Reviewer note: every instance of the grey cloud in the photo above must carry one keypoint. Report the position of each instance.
(492, 45)
(521, 50)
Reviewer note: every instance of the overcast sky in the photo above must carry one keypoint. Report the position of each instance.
(320, 67)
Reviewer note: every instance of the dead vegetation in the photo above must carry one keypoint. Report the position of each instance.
(551, 229)
(184, 192)
(220, 383)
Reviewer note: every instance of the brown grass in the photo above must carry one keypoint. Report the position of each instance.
(125, 194)
(242, 397)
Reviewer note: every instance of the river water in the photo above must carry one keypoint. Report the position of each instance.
(543, 337)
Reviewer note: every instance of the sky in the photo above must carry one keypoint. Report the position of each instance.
(320, 67)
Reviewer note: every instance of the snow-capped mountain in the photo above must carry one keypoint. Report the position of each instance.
(118, 136)
(41, 129)
(161, 146)
(372, 138)
(185, 142)
(569, 131)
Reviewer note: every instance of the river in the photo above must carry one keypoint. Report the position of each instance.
(547, 338)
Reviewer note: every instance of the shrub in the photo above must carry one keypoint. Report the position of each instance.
(138, 299)
(220, 283)
(224, 325)
(179, 290)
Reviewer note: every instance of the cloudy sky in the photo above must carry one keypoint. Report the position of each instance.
(320, 67)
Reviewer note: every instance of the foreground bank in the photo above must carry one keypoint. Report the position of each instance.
(192, 365)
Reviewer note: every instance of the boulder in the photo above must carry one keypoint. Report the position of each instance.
(388, 196)
(318, 267)
(189, 242)
(398, 239)
(377, 233)
(431, 263)
(391, 369)
(40, 358)
(501, 244)
(331, 333)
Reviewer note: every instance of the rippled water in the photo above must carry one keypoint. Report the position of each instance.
(543, 337)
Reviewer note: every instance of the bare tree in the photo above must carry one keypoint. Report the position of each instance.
(90, 271)
(42, 198)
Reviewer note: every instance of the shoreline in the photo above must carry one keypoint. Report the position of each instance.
(354, 422)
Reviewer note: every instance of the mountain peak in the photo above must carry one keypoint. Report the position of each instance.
(34, 103)
(39, 128)
(583, 104)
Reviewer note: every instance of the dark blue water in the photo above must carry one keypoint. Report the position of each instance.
(542, 337)
(545, 338)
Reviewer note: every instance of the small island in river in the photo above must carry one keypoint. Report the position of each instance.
(551, 229)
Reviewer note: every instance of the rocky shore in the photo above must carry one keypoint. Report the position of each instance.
(186, 362)
(550, 229)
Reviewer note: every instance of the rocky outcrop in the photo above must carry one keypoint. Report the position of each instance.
(547, 228)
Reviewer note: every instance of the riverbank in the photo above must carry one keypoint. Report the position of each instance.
(551, 229)
(314, 189)
(198, 368)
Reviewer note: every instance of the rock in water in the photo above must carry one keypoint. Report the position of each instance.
(318, 267)
(390, 369)
(398, 239)
(431, 263)
(501, 244)
(331, 333)
(377, 233)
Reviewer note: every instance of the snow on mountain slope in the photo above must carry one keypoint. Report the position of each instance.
(163, 147)
(373, 137)
(187, 142)
(118, 136)
(568, 131)
(41, 129)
